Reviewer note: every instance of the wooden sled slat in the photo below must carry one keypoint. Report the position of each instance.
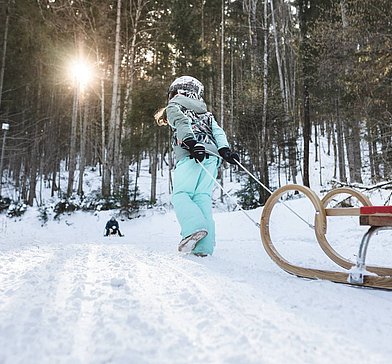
(344, 211)
(383, 280)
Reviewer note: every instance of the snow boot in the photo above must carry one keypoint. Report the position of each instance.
(201, 255)
(187, 244)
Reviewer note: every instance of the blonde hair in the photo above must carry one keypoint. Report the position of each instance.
(161, 117)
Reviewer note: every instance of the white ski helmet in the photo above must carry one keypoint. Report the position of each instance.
(187, 86)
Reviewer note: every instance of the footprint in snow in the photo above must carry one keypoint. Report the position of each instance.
(118, 282)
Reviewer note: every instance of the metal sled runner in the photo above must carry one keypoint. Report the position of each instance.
(357, 273)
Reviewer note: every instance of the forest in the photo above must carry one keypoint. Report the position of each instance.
(80, 82)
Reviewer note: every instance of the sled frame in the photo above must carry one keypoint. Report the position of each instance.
(356, 273)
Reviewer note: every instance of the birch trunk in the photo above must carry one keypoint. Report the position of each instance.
(114, 109)
(222, 84)
(250, 7)
(103, 132)
(72, 151)
(135, 14)
(279, 63)
(306, 128)
(117, 175)
(335, 153)
(284, 95)
(83, 138)
(230, 129)
(376, 158)
(263, 142)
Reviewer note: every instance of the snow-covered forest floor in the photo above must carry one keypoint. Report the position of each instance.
(70, 295)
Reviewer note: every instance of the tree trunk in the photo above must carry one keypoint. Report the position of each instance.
(303, 14)
(335, 150)
(264, 142)
(386, 150)
(114, 108)
(103, 135)
(339, 137)
(222, 68)
(83, 138)
(5, 38)
(33, 168)
(250, 6)
(117, 161)
(230, 129)
(316, 143)
(153, 167)
(279, 64)
(34, 157)
(137, 172)
(306, 136)
(126, 132)
(352, 135)
(72, 152)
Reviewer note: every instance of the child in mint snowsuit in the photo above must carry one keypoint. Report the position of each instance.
(198, 142)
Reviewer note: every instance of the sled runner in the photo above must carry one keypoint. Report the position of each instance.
(356, 273)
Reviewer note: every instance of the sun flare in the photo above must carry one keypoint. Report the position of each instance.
(80, 72)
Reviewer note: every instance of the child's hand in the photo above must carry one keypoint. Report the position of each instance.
(229, 156)
(196, 150)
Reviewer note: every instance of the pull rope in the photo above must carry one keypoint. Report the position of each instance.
(227, 194)
(280, 201)
(269, 191)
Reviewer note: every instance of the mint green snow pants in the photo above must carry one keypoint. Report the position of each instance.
(192, 200)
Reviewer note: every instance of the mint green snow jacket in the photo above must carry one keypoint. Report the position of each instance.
(189, 118)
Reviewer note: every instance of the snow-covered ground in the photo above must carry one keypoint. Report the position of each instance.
(69, 295)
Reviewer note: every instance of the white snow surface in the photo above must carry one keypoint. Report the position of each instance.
(70, 295)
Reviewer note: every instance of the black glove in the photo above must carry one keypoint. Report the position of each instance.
(196, 150)
(228, 155)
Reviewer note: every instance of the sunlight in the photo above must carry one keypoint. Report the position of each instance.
(80, 72)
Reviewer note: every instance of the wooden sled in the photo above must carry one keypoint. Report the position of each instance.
(358, 273)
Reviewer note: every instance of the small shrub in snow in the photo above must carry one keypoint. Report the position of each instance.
(16, 209)
(43, 215)
(95, 201)
(91, 202)
(65, 206)
(4, 203)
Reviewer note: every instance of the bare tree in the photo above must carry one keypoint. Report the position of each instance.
(83, 139)
(72, 152)
(113, 132)
(135, 13)
(5, 38)
(264, 126)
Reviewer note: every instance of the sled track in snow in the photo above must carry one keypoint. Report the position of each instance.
(204, 299)
(100, 303)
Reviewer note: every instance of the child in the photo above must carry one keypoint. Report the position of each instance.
(112, 227)
(198, 140)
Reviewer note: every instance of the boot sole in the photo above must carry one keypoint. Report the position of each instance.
(186, 245)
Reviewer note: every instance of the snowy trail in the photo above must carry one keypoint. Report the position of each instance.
(135, 300)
